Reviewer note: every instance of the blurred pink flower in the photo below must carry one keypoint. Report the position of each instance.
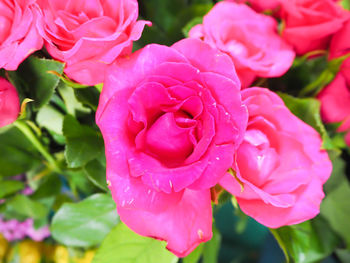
(89, 35)
(280, 164)
(249, 38)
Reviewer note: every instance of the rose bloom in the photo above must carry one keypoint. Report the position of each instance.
(262, 5)
(9, 103)
(340, 44)
(309, 24)
(335, 101)
(89, 35)
(19, 36)
(172, 119)
(335, 98)
(249, 38)
(280, 165)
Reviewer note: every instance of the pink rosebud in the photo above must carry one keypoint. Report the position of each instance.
(89, 35)
(280, 164)
(172, 119)
(309, 24)
(249, 38)
(19, 36)
(9, 103)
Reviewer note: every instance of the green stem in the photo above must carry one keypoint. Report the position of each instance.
(281, 244)
(24, 128)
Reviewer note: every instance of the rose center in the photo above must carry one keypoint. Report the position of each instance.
(168, 140)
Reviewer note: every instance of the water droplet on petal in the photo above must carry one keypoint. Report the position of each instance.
(200, 233)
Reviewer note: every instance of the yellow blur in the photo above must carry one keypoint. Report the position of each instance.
(29, 251)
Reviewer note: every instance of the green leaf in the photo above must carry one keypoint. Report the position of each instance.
(17, 154)
(336, 209)
(79, 183)
(307, 242)
(83, 143)
(96, 172)
(345, 4)
(88, 96)
(49, 186)
(343, 255)
(73, 106)
(86, 223)
(195, 255)
(212, 247)
(308, 110)
(50, 118)
(23, 205)
(124, 246)
(35, 75)
(195, 21)
(338, 176)
(10, 187)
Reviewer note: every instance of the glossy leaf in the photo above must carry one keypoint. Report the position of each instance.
(124, 246)
(96, 172)
(83, 143)
(195, 255)
(86, 223)
(307, 242)
(73, 106)
(35, 74)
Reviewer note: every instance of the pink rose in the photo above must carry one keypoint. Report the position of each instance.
(19, 36)
(280, 164)
(340, 44)
(335, 97)
(335, 101)
(249, 38)
(262, 5)
(172, 119)
(309, 24)
(9, 103)
(89, 35)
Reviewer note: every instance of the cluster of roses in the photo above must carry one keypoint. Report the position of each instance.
(177, 126)
(85, 35)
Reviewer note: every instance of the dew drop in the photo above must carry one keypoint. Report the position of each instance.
(217, 158)
(200, 233)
